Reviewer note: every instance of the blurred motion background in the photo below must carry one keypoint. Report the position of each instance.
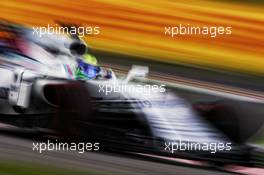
(132, 32)
(136, 28)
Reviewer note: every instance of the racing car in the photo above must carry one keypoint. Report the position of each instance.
(38, 90)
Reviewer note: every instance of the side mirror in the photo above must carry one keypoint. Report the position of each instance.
(20, 91)
(136, 72)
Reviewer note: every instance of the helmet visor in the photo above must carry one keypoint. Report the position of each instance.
(88, 70)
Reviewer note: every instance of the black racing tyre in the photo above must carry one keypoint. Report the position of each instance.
(73, 107)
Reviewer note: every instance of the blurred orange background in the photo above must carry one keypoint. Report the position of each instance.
(136, 28)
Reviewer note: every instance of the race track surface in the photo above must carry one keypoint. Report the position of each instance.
(20, 150)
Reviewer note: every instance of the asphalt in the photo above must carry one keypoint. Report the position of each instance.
(20, 150)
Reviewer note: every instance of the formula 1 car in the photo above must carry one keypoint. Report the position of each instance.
(37, 90)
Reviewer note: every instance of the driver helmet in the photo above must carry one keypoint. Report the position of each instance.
(87, 68)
